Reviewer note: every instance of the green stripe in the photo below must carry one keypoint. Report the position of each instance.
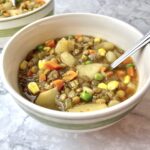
(10, 32)
(82, 126)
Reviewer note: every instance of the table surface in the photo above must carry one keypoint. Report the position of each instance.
(18, 131)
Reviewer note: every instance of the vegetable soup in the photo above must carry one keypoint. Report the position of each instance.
(73, 74)
(22, 6)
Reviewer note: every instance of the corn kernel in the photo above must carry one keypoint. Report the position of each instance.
(47, 49)
(23, 65)
(102, 86)
(112, 85)
(102, 52)
(126, 79)
(97, 40)
(84, 57)
(33, 87)
(41, 64)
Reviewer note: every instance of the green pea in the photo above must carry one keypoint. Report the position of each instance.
(99, 76)
(88, 62)
(85, 96)
(40, 47)
(129, 65)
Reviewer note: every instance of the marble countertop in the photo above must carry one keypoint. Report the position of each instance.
(18, 131)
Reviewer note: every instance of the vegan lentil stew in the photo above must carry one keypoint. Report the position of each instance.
(23, 6)
(73, 74)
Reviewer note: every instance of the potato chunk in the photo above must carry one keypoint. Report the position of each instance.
(87, 107)
(64, 45)
(68, 59)
(47, 99)
(88, 70)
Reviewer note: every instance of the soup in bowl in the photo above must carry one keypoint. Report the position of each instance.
(13, 18)
(73, 74)
(60, 73)
(8, 10)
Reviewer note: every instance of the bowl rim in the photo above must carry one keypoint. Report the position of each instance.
(47, 2)
(72, 115)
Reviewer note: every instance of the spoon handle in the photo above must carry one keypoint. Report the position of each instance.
(145, 40)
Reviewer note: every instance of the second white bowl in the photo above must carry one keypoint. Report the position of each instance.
(10, 25)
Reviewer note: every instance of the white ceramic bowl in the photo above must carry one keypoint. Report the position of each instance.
(109, 28)
(10, 25)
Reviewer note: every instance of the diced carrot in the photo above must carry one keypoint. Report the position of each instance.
(29, 73)
(50, 43)
(91, 51)
(127, 61)
(130, 71)
(70, 75)
(42, 77)
(79, 38)
(120, 73)
(58, 84)
(46, 71)
(109, 73)
(52, 65)
(103, 69)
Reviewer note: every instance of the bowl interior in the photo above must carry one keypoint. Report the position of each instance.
(122, 34)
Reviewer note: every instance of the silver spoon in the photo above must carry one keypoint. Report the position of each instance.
(142, 42)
